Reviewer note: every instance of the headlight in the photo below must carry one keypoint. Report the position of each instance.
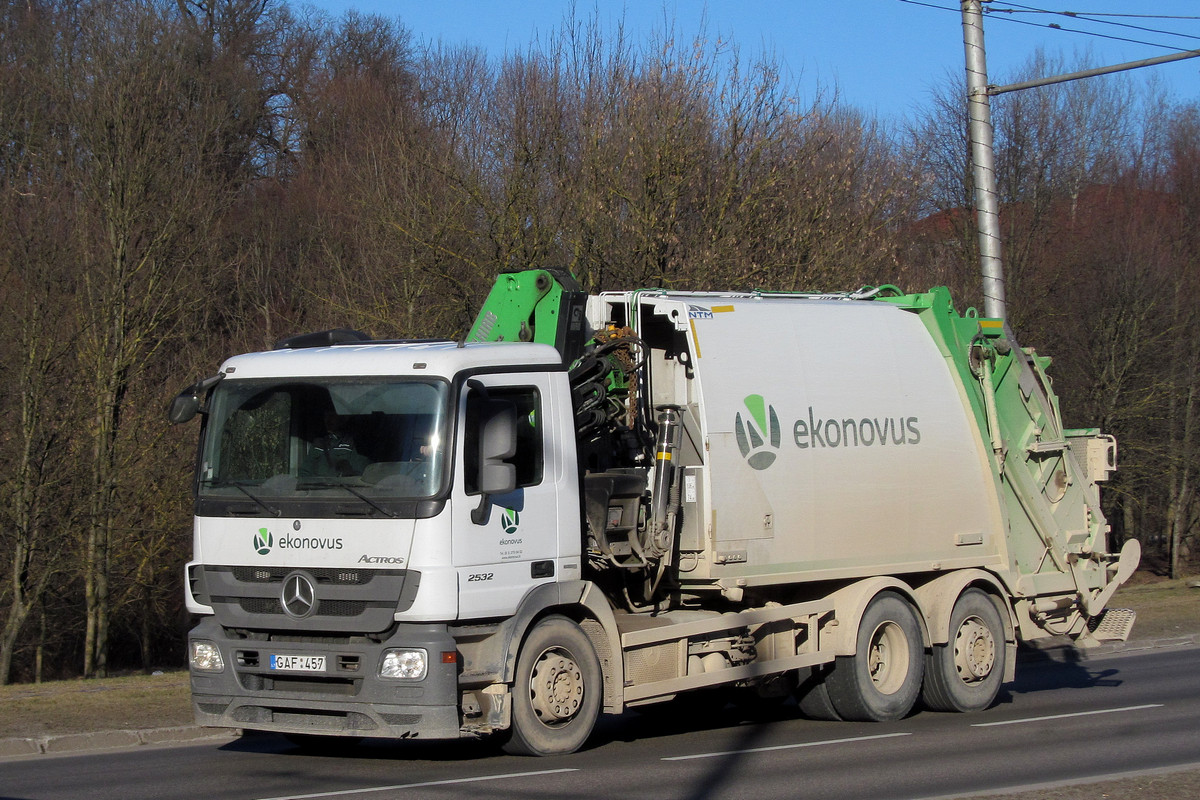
(206, 657)
(410, 664)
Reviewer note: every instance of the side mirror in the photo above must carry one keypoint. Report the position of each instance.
(497, 444)
(185, 406)
(187, 403)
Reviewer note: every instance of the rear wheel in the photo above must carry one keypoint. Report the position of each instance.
(556, 695)
(965, 673)
(882, 680)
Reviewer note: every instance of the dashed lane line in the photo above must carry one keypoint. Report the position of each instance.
(397, 787)
(1065, 716)
(786, 746)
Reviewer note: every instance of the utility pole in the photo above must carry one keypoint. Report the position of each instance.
(983, 160)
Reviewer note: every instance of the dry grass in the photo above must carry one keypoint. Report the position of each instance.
(1164, 608)
(136, 701)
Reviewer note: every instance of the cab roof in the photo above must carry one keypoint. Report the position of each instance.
(437, 359)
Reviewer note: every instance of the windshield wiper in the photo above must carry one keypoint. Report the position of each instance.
(241, 487)
(387, 512)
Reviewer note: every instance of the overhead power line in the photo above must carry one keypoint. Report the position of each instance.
(1089, 17)
(1096, 13)
(1006, 15)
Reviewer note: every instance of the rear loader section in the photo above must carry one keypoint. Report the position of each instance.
(1058, 569)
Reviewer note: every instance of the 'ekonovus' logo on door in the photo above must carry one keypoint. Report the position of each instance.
(509, 521)
(757, 431)
(263, 541)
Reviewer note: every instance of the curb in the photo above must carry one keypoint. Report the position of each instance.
(110, 740)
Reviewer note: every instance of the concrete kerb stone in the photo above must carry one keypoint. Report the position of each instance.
(184, 733)
(100, 740)
(110, 740)
(19, 747)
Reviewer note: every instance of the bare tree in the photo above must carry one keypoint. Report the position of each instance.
(150, 129)
(1183, 510)
(36, 402)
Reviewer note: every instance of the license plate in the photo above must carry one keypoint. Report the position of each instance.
(298, 663)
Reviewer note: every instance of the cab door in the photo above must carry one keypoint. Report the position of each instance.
(511, 541)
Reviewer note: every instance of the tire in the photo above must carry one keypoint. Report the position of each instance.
(557, 691)
(965, 674)
(882, 680)
(812, 695)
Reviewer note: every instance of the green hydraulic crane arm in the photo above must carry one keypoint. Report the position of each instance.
(536, 305)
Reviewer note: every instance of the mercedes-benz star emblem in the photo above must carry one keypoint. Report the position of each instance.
(298, 597)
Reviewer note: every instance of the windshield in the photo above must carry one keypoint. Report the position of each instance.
(371, 440)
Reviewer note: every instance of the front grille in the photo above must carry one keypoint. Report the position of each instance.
(259, 605)
(326, 608)
(334, 577)
(347, 599)
(341, 608)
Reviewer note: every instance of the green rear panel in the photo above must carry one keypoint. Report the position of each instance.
(1056, 530)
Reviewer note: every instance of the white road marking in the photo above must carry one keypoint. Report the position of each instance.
(448, 782)
(787, 746)
(1065, 716)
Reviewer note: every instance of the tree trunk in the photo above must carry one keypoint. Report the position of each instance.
(28, 578)
(104, 480)
(1182, 502)
(18, 612)
(39, 660)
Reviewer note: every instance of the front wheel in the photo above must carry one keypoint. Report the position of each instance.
(557, 692)
(882, 680)
(965, 673)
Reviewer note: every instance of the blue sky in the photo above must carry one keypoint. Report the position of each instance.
(882, 56)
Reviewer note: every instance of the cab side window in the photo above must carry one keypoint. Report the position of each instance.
(529, 459)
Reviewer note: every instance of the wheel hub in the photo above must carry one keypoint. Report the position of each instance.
(974, 650)
(887, 658)
(556, 687)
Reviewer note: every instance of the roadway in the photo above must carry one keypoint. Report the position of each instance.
(1063, 720)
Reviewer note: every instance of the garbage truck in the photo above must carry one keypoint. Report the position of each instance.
(595, 502)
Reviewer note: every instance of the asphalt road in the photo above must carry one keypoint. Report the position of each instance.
(1061, 721)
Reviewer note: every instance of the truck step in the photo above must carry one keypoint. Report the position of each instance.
(1113, 624)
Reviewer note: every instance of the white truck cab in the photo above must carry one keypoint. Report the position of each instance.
(344, 521)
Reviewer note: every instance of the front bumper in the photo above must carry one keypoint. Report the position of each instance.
(348, 699)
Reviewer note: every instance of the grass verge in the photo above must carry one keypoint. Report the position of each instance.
(79, 706)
